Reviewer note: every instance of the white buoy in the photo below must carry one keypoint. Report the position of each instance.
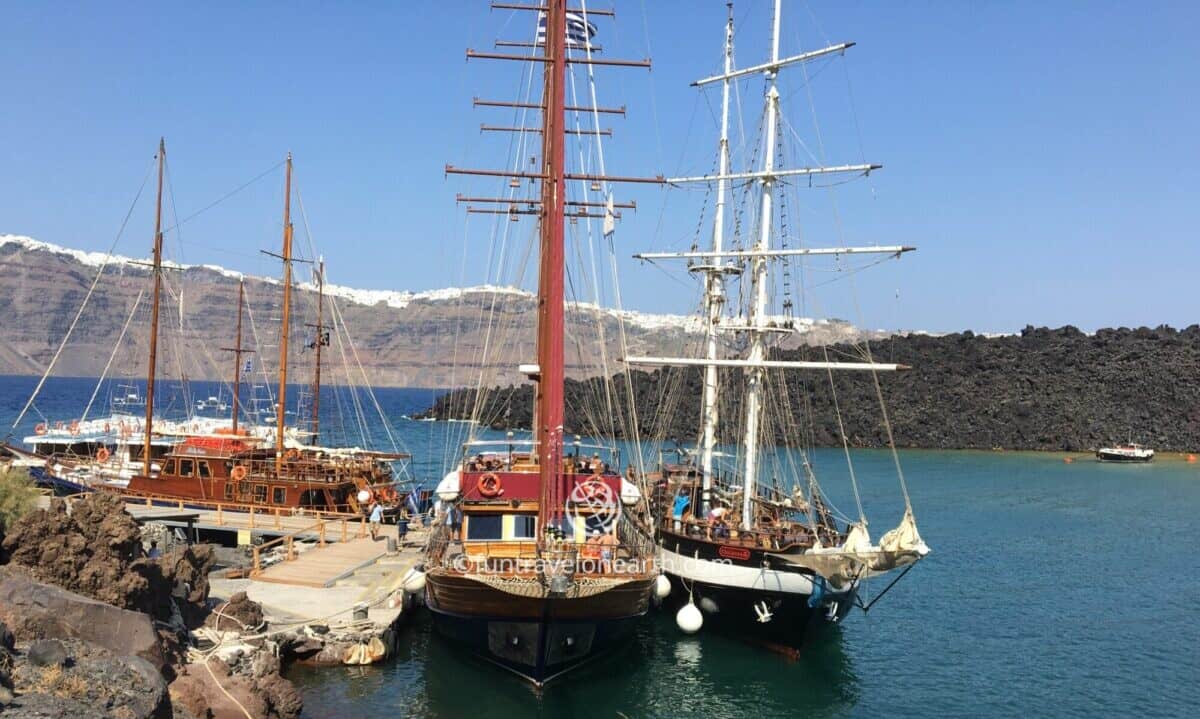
(689, 619)
(709, 605)
(363, 495)
(662, 586)
(413, 581)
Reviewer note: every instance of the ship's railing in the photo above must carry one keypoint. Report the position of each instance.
(258, 515)
(785, 535)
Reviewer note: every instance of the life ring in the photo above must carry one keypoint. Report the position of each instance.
(291, 455)
(41, 428)
(102, 454)
(489, 485)
(238, 473)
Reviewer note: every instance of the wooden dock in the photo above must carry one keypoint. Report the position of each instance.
(322, 566)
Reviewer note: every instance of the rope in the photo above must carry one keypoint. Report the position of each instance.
(83, 306)
(112, 356)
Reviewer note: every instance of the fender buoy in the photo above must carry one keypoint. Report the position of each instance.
(102, 454)
(489, 485)
(238, 473)
(40, 429)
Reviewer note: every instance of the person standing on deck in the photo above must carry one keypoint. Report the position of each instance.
(375, 519)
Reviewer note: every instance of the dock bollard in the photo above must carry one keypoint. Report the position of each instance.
(391, 545)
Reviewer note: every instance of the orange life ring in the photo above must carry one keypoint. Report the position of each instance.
(40, 428)
(238, 473)
(102, 454)
(489, 485)
(291, 455)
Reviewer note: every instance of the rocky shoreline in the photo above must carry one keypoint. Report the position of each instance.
(90, 626)
(1044, 389)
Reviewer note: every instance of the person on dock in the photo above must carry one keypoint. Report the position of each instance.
(375, 519)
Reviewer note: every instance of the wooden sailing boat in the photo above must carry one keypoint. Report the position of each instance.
(286, 476)
(763, 557)
(549, 571)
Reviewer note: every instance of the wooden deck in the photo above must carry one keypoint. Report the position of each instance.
(322, 566)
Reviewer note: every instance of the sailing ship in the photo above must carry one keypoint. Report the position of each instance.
(230, 467)
(273, 465)
(760, 552)
(549, 568)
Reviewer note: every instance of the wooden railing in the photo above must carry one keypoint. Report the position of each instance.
(254, 513)
(321, 529)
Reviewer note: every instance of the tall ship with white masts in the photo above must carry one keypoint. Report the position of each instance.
(538, 562)
(750, 541)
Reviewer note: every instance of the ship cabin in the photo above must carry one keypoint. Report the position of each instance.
(229, 470)
(493, 502)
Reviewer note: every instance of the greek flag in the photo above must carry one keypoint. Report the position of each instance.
(579, 31)
(249, 367)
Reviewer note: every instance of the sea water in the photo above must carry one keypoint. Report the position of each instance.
(1053, 589)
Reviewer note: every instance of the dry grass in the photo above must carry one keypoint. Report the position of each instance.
(18, 495)
(56, 682)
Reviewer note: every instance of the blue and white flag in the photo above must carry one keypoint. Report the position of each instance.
(579, 31)
(249, 367)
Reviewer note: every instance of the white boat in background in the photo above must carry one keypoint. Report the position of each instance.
(1125, 453)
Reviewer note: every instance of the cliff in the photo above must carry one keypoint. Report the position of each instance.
(1045, 389)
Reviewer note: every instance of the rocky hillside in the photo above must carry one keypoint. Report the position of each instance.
(1043, 389)
(401, 338)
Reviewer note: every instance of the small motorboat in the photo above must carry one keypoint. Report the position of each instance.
(1125, 453)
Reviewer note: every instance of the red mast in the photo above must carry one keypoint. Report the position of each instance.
(549, 411)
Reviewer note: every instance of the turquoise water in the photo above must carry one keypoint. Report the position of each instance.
(1053, 589)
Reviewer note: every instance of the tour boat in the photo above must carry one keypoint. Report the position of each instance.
(1125, 453)
(549, 566)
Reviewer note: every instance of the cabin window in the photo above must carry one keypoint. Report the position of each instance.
(484, 526)
(186, 467)
(243, 488)
(169, 467)
(203, 467)
(229, 490)
(278, 495)
(524, 526)
(260, 493)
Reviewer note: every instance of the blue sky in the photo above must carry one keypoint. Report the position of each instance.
(1042, 156)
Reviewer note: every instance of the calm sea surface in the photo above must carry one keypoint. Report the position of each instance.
(1070, 590)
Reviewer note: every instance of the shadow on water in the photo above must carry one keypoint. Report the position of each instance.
(661, 675)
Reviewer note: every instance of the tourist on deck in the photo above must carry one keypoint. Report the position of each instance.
(154, 552)
(608, 549)
(375, 519)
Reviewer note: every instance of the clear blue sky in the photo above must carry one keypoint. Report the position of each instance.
(1043, 156)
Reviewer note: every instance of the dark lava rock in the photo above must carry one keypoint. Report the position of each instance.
(7, 641)
(97, 683)
(1044, 389)
(95, 551)
(47, 653)
(35, 610)
(239, 613)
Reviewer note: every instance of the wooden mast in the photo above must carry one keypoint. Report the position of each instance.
(237, 354)
(152, 369)
(316, 385)
(549, 415)
(287, 308)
